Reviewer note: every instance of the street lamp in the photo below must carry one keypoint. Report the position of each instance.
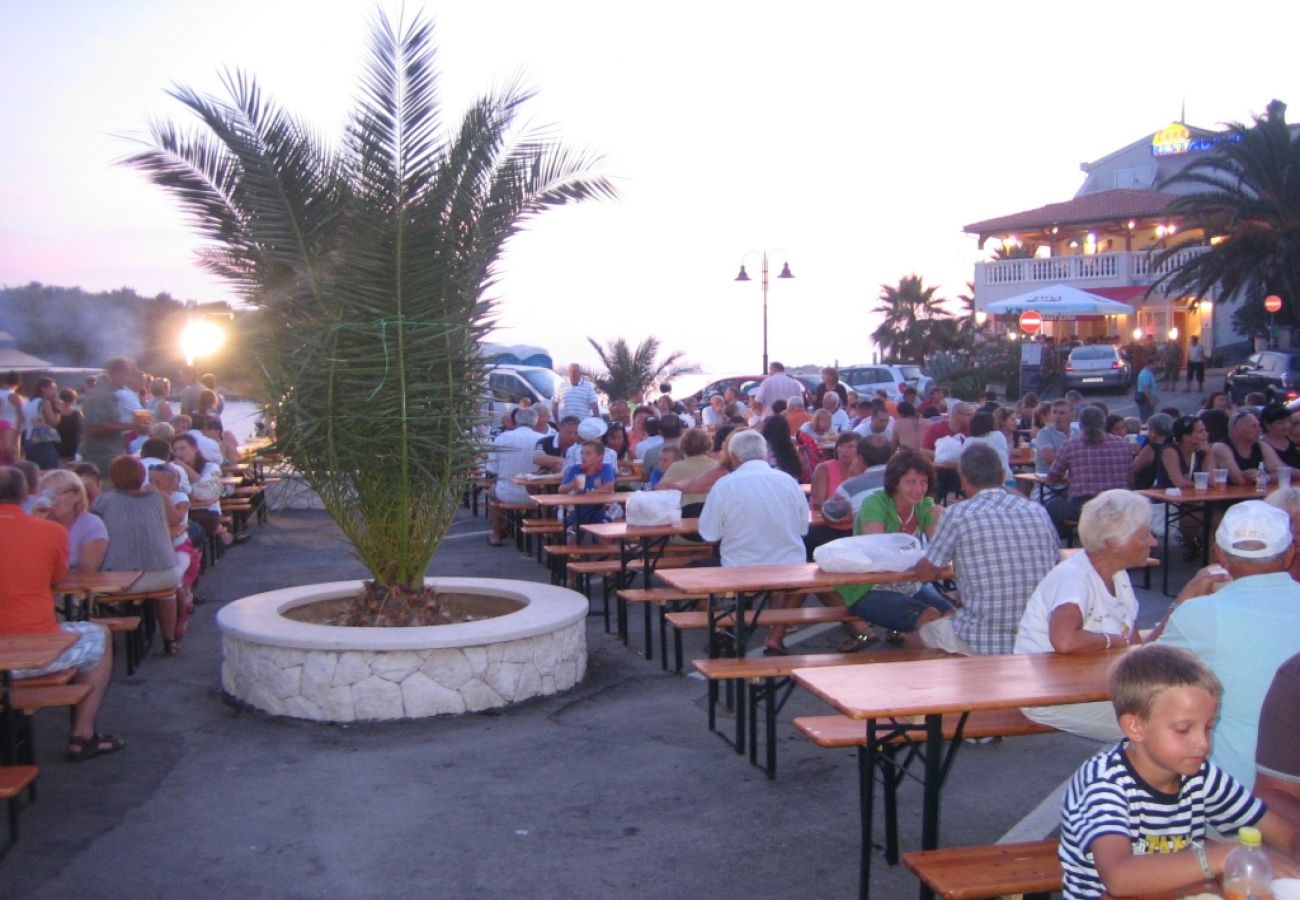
(744, 276)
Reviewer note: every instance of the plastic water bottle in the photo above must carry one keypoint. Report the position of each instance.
(1261, 481)
(1248, 875)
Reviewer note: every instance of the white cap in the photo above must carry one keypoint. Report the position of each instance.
(592, 428)
(1254, 530)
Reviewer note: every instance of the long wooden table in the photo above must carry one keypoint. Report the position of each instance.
(1196, 507)
(885, 695)
(23, 651)
(88, 585)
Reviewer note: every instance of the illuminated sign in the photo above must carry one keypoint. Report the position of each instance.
(1175, 139)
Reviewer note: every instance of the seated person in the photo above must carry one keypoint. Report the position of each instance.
(510, 454)
(34, 558)
(1086, 603)
(68, 506)
(590, 476)
(693, 461)
(1134, 817)
(843, 505)
(1277, 752)
(667, 457)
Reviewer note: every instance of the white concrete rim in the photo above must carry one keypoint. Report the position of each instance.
(257, 618)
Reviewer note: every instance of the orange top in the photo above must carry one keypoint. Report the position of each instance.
(34, 558)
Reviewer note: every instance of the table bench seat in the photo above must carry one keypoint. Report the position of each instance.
(31, 699)
(13, 781)
(134, 640)
(965, 873)
(691, 620)
(50, 679)
(842, 731)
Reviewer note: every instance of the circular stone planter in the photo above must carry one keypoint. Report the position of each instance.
(330, 673)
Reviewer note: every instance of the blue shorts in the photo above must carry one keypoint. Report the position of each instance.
(85, 654)
(899, 612)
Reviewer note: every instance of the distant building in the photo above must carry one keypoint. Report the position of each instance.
(1104, 241)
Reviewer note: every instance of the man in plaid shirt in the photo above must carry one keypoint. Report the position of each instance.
(1000, 546)
(1094, 461)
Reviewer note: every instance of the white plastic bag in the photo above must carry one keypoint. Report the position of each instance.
(947, 449)
(651, 508)
(870, 553)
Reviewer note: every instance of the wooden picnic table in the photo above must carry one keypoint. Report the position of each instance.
(592, 498)
(1196, 507)
(885, 695)
(23, 651)
(1050, 489)
(87, 585)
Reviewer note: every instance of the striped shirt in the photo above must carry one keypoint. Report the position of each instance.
(1000, 546)
(577, 400)
(1107, 796)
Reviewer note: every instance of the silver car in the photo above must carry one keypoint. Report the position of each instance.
(1096, 366)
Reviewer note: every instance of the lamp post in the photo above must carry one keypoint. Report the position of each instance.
(744, 276)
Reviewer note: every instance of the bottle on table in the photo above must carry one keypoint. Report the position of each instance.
(1248, 875)
(1261, 480)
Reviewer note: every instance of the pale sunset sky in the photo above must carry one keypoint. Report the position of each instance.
(856, 138)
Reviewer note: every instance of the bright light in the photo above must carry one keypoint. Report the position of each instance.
(201, 337)
(981, 317)
(1011, 335)
(1173, 333)
(1207, 307)
(1137, 334)
(1160, 231)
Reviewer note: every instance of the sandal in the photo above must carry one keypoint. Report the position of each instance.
(492, 543)
(857, 642)
(172, 648)
(769, 650)
(81, 749)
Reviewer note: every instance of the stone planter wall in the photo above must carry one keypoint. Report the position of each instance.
(337, 674)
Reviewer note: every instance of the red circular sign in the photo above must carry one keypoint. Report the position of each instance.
(1031, 320)
(1273, 303)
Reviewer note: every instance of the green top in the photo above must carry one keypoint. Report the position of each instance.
(879, 507)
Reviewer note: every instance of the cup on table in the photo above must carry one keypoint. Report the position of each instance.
(1201, 481)
(1220, 477)
(1283, 476)
(580, 481)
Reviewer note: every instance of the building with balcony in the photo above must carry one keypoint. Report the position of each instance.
(1104, 241)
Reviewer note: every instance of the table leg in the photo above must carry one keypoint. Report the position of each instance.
(647, 572)
(867, 756)
(933, 789)
(9, 750)
(1169, 526)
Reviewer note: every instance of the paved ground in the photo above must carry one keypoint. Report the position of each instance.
(615, 788)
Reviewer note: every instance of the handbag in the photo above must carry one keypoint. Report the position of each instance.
(947, 449)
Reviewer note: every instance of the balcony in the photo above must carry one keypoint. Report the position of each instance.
(999, 279)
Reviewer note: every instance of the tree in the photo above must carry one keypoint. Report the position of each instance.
(628, 371)
(915, 321)
(1247, 209)
(370, 263)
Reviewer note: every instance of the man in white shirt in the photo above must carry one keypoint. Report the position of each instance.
(577, 397)
(778, 386)
(758, 514)
(839, 418)
(878, 422)
(1052, 437)
(511, 454)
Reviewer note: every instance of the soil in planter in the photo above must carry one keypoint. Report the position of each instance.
(447, 608)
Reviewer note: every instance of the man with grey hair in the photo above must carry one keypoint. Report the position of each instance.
(1245, 631)
(106, 422)
(511, 454)
(1000, 546)
(839, 418)
(757, 513)
(577, 397)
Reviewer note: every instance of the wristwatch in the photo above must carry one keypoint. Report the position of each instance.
(1198, 847)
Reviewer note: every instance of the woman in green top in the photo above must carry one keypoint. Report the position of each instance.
(903, 505)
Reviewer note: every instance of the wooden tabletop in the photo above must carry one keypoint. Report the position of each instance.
(528, 480)
(33, 651)
(1230, 493)
(97, 582)
(962, 683)
(795, 576)
(621, 531)
(589, 499)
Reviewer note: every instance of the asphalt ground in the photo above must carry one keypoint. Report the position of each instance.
(614, 788)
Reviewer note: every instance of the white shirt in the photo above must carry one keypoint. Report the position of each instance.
(864, 429)
(778, 387)
(512, 454)
(128, 403)
(577, 400)
(713, 418)
(1076, 581)
(210, 449)
(759, 514)
(840, 421)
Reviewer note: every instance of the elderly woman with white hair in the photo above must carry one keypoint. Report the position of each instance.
(1288, 500)
(1086, 603)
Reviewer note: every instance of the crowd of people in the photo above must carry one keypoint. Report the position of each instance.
(120, 478)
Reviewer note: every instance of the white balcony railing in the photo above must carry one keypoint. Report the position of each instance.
(1103, 269)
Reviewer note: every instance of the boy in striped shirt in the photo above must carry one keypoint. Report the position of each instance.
(1134, 818)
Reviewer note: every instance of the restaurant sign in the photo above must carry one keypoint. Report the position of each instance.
(1176, 138)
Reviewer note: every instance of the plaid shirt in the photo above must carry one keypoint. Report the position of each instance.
(1094, 468)
(1001, 545)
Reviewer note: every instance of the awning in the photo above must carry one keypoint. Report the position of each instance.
(1060, 301)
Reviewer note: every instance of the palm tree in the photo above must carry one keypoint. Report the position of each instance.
(1247, 207)
(911, 313)
(628, 371)
(370, 264)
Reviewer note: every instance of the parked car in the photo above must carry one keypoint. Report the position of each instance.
(1096, 366)
(743, 384)
(1273, 373)
(866, 380)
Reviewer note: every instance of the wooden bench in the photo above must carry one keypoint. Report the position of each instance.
(133, 643)
(666, 600)
(585, 569)
(842, 731)
(143, 602)
(13, 781)
(1031, 868)
(514, 513)
(804, 615)
(27, 701)
(770, 684)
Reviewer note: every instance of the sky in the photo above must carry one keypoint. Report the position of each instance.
(852, 141)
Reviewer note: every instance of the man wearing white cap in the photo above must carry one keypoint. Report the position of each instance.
(591, 429)
(1246, 630)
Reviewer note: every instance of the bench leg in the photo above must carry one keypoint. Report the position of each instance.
(866, 805)
(663, 638)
